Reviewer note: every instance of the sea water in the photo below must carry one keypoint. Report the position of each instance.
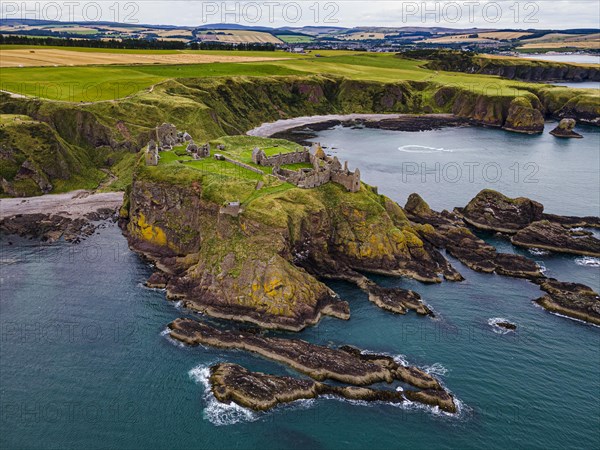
(86, 363)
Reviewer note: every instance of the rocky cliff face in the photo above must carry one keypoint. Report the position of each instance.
(213, 107)
(264, 266)
(511, 68)
(36, 160)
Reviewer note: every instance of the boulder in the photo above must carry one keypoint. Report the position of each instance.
(554, 237)
(490, 210)
(565, 129)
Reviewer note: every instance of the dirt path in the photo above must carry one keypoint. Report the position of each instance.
(72, 204)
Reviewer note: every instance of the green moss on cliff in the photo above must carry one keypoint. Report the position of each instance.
(35, 159)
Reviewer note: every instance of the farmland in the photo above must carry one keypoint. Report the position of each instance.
(295, 38)
(59, 57)
(562, 41)
(239, 36)
(89, 83)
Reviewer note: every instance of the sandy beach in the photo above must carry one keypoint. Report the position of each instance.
(72, 204)
(270, 128)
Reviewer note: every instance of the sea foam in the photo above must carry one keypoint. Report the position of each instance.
(423, 149)
(215, 412)
(588, 261)
(494, 321)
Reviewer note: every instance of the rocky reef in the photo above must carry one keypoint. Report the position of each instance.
(261, 392)
(565, 129)
(345, 365)
(571, 299)
(447, 230)
(530, 227)
(555, 237)
(522, 219)
(52, 227)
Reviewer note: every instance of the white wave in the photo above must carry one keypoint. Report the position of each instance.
(434, 410)
(9, 261)
(436, 369)
(166, 333)
(588, 261)
(494, 321)
(573, 318)
(542, 267)
(538, 251)
(218, 413)
(143, 285)
(400, 359)
(423, 149)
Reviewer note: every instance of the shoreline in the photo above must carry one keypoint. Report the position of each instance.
(269, 129)
(74, 204)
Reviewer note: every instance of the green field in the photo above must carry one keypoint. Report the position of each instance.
(295, 38)
(96, 83)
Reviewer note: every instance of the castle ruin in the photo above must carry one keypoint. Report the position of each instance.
(324, 168)
(165, 137)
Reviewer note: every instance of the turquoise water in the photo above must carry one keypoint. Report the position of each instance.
(84, 362)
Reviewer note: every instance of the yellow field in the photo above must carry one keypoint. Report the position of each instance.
(504, 35)
(241, 37)
(553, 37)
(584, 45)
(489, 36)
(170, 33)
(56, 57)
(560, 40)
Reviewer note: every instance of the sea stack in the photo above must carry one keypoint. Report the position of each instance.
(565, 129)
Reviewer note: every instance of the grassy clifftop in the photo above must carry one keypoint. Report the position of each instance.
(250, 267)
(212, 107)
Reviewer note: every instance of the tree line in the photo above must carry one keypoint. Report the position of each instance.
(139, 44)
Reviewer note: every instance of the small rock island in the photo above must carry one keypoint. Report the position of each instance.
(565, 129)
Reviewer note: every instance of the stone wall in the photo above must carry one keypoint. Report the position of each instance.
(238, 163)
(259, 157)
(320, 174)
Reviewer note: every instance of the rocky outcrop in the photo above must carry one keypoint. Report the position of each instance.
(530, 227)
(554, 237)
(524, 117)
(52, 227)
(447, 230)
(490, 210)
(261, 392)
(565, 129)
(512, 68)
(264, 265)
(571, 299)
(345, 365)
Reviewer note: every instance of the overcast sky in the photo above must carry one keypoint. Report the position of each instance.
(559, 14)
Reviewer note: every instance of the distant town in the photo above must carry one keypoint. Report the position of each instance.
(296, 40)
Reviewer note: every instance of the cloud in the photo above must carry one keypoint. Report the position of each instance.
(556, 14)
